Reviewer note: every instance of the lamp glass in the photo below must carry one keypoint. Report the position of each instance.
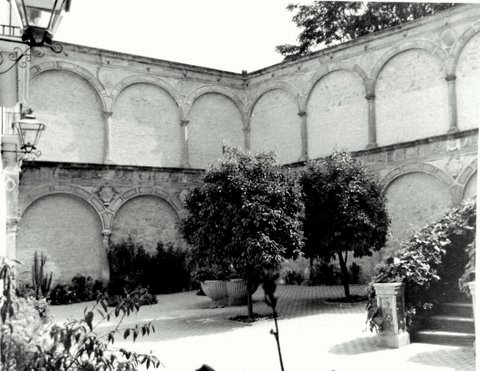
(43, 14)
(29, 130)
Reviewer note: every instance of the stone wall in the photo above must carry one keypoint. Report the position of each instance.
(405, 100)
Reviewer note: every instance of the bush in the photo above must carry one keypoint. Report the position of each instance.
(355, 270)
(82, 289)
(142, 295)
(131, 266)
(430, 264)
(323, 273)
(293, 278)
(18, 341)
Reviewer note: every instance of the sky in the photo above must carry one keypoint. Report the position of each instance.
(230, 35)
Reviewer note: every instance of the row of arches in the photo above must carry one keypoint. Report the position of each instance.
(415, 90)
(74, 232)
(74, 228)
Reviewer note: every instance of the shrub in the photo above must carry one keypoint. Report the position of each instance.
(82, 289)
(293, 278)
(469, 272)
(323, 273)
(430, 264)
(131, 266)
(354, 270)
(144, 297)
(28, 344)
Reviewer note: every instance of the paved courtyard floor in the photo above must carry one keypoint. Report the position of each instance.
(314, 335)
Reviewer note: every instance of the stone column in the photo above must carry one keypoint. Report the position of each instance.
(246, 132)
(185, 152)
(372, 123)
(391, 302)
(11, 164)
(107, 141)
(304, 133)
(105, 274)
(452, 103)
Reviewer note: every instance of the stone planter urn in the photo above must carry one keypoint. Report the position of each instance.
(391, 301)
(216, 290)
(237, 292)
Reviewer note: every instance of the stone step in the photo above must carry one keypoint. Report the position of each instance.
(451, 323)
(444, 337)
(457, 309)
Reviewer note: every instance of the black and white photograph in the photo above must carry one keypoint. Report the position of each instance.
(215, 185)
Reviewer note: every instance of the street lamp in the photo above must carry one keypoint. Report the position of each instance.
(39, 19)
(29, 130)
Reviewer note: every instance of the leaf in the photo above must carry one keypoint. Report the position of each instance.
(126, 333)
(89, 319)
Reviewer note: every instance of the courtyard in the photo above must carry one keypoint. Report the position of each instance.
(314, 335)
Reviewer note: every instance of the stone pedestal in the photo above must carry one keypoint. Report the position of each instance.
(391, 301)
(471, 287)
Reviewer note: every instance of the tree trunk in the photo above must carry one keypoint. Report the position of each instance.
(344, 273)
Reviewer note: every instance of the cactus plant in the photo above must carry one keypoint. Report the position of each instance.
(41, 282)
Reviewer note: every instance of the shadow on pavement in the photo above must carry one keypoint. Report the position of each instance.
(461, 359)
(356, 346)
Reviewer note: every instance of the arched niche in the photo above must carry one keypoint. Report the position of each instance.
(411, 98)
(215, 121)
(470, 189)
(69, 233)
(276, 126)
(146, 127)
(73, 113)
(147, 219)
(337, 106)
(467, 84)
(414, 200)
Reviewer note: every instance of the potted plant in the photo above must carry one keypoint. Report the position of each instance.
(212, 278)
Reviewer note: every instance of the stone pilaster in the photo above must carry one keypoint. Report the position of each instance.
(185, 150)
(372, 124)
(391, 302)
(105, 274)
(10, 176)
(452, 103)
(247, 133)
(107, 141)
(304, 133)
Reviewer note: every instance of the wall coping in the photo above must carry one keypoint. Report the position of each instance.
(328, 50)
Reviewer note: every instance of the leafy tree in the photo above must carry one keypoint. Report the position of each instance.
(244, 214)
(329, 22)
(344, 211)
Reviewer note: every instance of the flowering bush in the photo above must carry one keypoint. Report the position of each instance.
(429, 264)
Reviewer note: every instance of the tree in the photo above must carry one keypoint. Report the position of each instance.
(244, 213)
(344, 211)
(329, 22)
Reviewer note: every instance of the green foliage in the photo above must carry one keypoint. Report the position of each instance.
(329, 22)
(344, 211)
(41, 281)
(27, 343)
(244, 214)
(469, 272)
(293, 278)
(131, 266)
(427, 264)
(82, 289)
(355, 270)
(323, 273)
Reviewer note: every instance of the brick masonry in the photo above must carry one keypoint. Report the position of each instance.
(123, 131)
